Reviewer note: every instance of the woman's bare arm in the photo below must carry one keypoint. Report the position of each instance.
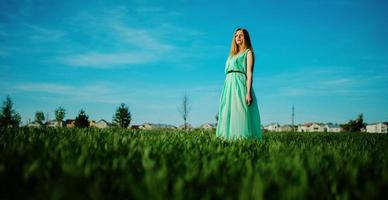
(250, 63)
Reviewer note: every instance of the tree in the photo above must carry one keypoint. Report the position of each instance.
(8, 116)
(185, 109)
(354, 125)
(217, 118)
(60, 113)
(122, 116)
(358, 124)
(39, 117)
(81, 121)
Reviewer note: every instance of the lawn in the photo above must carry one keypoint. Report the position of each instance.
(164, 164)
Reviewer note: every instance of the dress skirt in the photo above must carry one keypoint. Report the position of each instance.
(236, 119)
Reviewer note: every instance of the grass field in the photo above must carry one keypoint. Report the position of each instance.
(125, 164)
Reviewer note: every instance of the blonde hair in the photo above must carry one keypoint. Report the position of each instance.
(245, 45)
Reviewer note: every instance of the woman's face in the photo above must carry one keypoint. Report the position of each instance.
(239, 37)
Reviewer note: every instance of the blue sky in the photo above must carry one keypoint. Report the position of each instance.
(327, 58)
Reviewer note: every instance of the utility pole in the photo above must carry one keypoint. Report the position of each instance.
(293, 116)
(47, 117)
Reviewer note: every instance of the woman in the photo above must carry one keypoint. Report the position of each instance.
(238, 112)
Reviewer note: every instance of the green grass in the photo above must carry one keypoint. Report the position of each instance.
(124, 164)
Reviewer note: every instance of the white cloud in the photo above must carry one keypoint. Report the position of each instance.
(143, 38)
(118, 30)
(114, 37)
(319, 81)
(338, 82)
(122, 35)
(149, 102)
(38, 34)
(287, 91)
(44, 87)
(107, 92)
(149, 9)
(108, 60)
(97, 92)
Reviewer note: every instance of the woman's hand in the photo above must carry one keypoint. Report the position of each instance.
(248, 99)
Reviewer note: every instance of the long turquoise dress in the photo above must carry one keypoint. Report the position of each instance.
(237, 119)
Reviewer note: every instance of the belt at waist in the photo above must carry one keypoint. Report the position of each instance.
(235, 71)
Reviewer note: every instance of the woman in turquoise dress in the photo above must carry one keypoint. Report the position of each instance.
(238, 115)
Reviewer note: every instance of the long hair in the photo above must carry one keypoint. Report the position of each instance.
(234, 49)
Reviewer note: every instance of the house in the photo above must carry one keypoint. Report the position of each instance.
(303, 127)
(146, 126)
(334, 128)
(188, 126)
(318, 127)
(70, 123)
(101, 124)
(379, 127)
(208, 126)
(53, 123)
(149, 126)
(312, 127)
(34, 124)
(92, 123)
(272, 127)
(286, 128)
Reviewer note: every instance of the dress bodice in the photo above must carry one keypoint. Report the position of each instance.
(237, 62)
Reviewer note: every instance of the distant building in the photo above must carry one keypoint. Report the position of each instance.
(208, 126)
(92, 123)
(53, 123)
(149, 126)
(285, 128)
(101, 124)
(334, 128)
(303, 127)
(312, 127)
(272, 127)
(146, 126)
(70, 123)
(34, 124)
(188, 127)
(380, 127)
